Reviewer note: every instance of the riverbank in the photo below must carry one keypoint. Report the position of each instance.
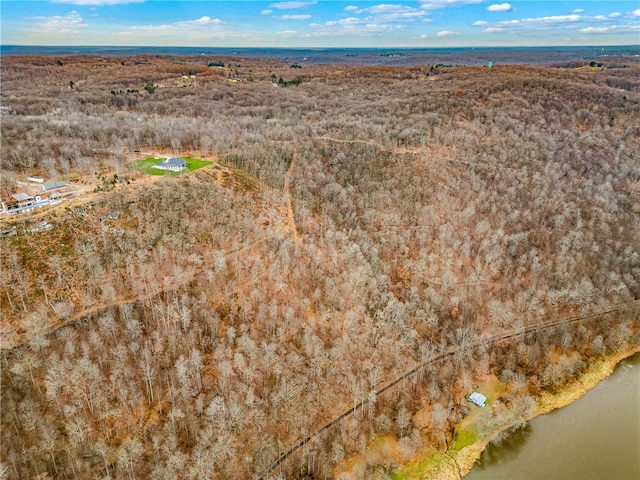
(455, 464)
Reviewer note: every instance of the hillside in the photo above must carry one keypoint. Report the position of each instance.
(356, 223)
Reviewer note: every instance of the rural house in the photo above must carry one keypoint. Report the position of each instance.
(172, 164)
(19, 202)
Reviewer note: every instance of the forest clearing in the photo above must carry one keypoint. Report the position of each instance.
(338, 264)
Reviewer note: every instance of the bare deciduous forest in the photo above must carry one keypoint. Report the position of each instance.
(357, 221)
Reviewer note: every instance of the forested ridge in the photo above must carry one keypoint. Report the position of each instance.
(356, 223)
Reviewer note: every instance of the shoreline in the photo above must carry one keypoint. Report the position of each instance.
(455, 465)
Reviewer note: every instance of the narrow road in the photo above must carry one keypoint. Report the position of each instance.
(441, 356)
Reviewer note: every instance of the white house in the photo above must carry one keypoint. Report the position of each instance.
(172, 164)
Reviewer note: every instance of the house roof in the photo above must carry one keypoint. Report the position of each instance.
(174, 162)
(21, 197)
(49, 186)
(477, 398)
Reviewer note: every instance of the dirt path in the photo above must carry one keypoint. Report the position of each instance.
(60, 322)
(287, 196)
(446, 354)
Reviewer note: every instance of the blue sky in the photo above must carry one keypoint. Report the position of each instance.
(321, 23)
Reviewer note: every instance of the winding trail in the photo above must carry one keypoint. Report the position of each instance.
(62, 321)
(441, 356)
(287, 196)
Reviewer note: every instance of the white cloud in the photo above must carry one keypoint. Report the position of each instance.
(387, 8)
(71, 23)
(612, 29)
(635, 13)
(539, 22)
(446, 33)
(594, 30)
(291, 5)
(423, 36)
(434, 4)
(577, 10)
(350, 8)
(295, 17)
(368, 26)
(266, 12)
(96, 3)
(576, 22)
(188, 27)
(200, 22)
(500, 7)
(387, 12)
(553, 19)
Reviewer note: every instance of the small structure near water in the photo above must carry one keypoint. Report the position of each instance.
(478, 399)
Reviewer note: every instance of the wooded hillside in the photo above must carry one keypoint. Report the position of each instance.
(355, 224)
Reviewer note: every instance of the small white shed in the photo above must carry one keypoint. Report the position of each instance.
(478, 399)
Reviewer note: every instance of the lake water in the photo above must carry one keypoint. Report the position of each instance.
(596, 437)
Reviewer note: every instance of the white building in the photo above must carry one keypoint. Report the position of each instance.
(172, 164)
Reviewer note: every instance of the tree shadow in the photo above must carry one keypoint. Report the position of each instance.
(505, 449)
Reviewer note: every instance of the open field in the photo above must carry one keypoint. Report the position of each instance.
(280, 310)
(146, 166)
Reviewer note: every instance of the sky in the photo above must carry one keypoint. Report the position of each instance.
(320, 23)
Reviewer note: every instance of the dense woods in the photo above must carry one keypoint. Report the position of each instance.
(355, 224)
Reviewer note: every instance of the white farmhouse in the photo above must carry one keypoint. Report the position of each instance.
(172, 164)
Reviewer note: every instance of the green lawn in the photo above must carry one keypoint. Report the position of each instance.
(146, 166)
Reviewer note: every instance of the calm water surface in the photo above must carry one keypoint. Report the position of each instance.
(597, 437)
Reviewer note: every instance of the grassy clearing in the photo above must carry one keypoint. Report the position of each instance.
(146, 166)
(465, 438)
(423, 468)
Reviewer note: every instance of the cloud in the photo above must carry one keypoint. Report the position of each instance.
(611, 29)
(577, 10)
(295, 17)
(185, 28)
(554, 19)
(575, 22)
(291, 5)
(96, 3)
(594, 30)
(387, 8)
(350, 8)
(347, 21)
(71, 23)
(535, 22)
(500, 7)
(266, 12)
(388, 12)
(446, 33)
(367, 26)
(434, 4)
(201, 22)
(635, 13)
